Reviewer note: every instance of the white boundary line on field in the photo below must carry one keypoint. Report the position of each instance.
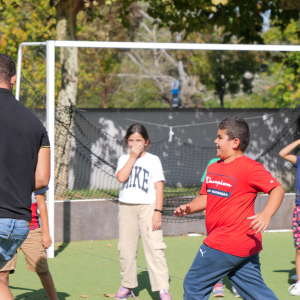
(85, 200)
(279, 230)
(101, 199)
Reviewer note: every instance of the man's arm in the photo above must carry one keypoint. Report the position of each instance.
(285, 152)
(46, 238)
(42, 172)
(262, 220)
(198, 204)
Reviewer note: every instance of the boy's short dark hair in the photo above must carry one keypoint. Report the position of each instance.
(7, 68)
(237, 128)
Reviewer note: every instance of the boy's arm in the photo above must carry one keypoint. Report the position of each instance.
(262, 220)
(198, 204)
(46, 238)
(159, 190)
(42, 172)
(285, 152)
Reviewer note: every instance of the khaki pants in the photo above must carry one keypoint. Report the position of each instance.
(136, 220)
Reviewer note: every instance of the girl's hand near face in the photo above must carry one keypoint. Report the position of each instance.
(136, 150)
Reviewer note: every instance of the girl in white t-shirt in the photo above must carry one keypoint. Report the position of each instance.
(140, 210)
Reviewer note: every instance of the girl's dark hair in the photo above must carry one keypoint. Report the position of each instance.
(137, 128)
(237, 128)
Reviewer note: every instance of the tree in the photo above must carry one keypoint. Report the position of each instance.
(66, 27)
(98, 68)
(240, 19)
(161, 67)
(28, 21)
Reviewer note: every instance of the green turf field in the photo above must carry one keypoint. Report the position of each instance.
(91, 268)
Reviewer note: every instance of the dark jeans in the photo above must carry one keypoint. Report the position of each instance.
(211, 265)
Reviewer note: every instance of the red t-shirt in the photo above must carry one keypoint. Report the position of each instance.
(231, 190)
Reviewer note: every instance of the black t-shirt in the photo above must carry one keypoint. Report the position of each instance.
(22, 134)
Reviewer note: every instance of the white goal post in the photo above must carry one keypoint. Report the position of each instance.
(50, 97)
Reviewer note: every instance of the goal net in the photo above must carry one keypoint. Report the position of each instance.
(127, 75)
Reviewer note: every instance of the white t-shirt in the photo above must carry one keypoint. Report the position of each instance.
(139, 188)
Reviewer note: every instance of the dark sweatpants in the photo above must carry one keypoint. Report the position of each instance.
(210, 265)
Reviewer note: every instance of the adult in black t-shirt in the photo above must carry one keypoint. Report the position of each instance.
(24, 166)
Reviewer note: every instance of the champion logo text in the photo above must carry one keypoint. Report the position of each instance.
(219, 185)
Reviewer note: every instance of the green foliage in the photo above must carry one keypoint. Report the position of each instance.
(284, 67)
(241, 19)
(28, 21)
(225, 72)
(238, 79)
(140, 95)
(98, 68)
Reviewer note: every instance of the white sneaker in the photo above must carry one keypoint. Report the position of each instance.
(294, 289)
(294, 277)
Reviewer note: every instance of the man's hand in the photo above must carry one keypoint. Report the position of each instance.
(260, 222)
(182, 210)
(46, 240)
(156, 220)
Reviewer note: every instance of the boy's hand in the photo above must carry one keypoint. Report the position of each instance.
(156, 220)
(260, 222)
(46, 240)
(182, 210)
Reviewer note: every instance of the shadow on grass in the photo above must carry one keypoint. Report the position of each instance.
(290, 273)
(36, 294)
(60, 248)
(66, 228)
(144, 284)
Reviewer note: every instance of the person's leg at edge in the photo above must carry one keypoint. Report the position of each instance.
(5, 293)
(48, 284)
(17, 231)
(221, 281)
(295, 288)
(248, 281)
(4, 276)
(218, 289)
(209, 266)
(153, 248)
(297, 263)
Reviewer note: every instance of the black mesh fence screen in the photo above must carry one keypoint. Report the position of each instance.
(93, 159)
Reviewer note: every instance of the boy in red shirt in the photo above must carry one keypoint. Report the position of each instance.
(233, 230)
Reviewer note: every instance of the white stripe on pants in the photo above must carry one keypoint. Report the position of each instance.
(136, 219)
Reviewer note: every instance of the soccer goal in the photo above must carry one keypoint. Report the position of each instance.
(50, 89)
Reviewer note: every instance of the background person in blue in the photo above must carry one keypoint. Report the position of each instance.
(218, 289)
